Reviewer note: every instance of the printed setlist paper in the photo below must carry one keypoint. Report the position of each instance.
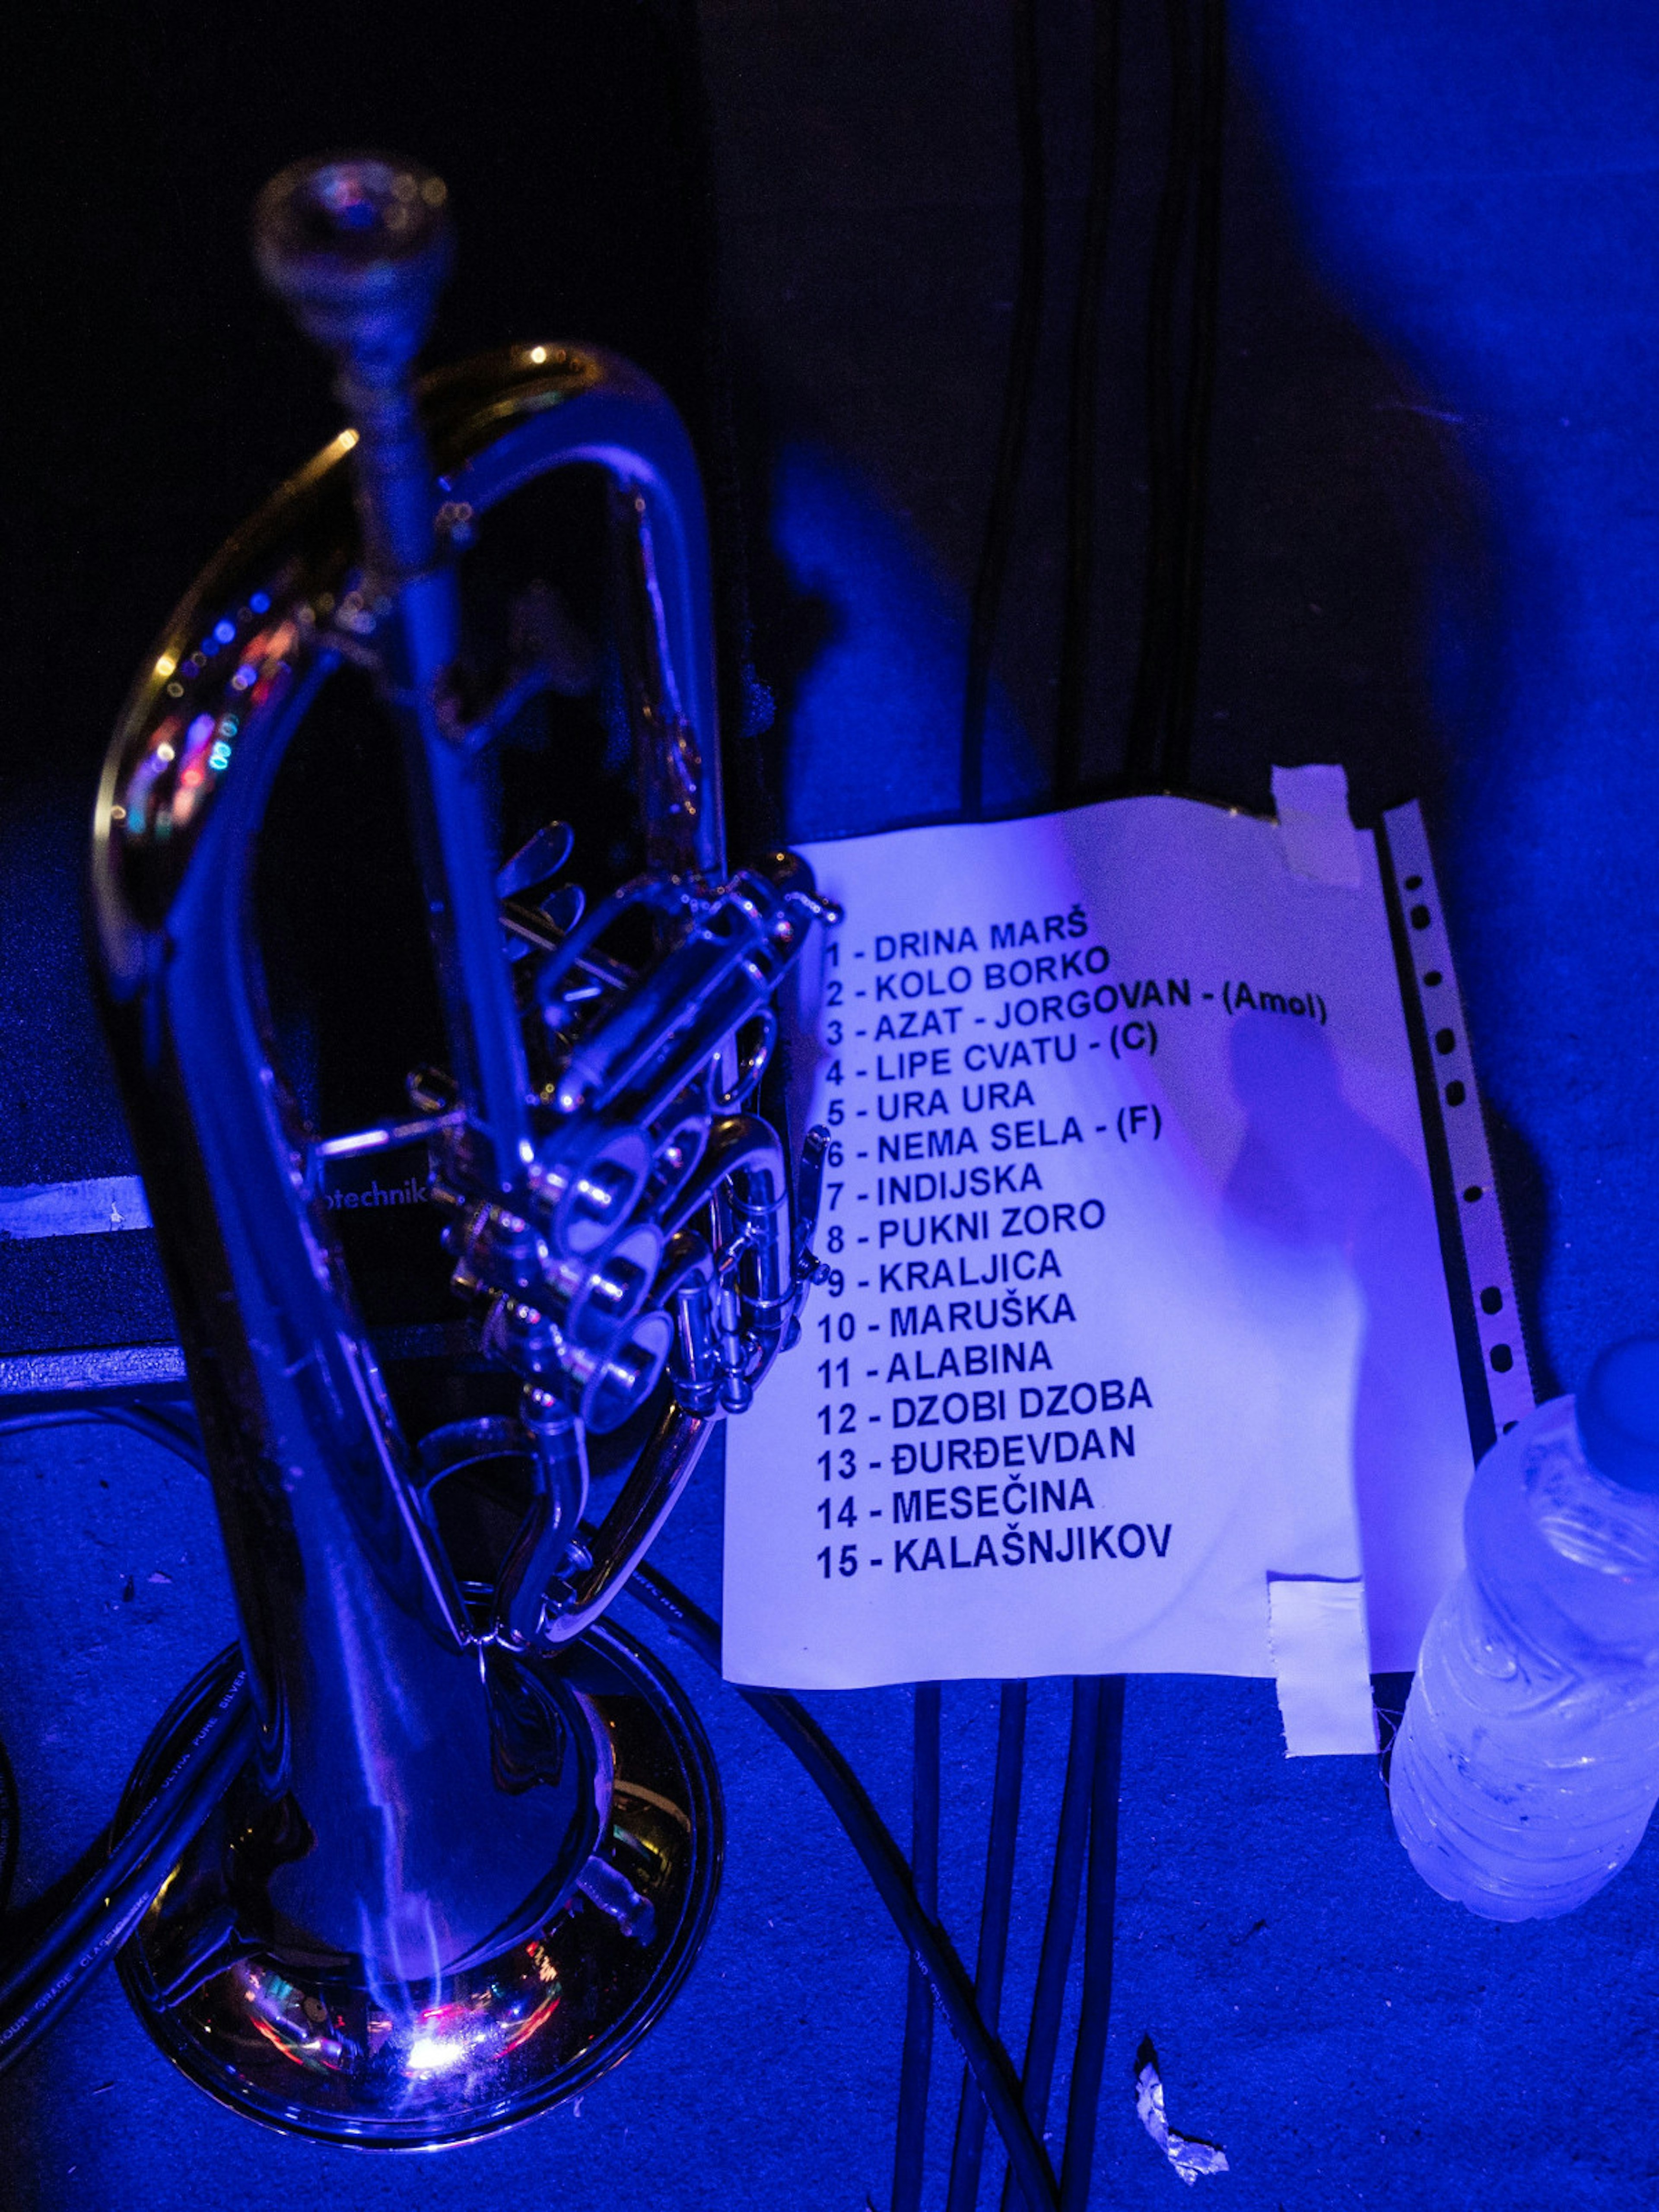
(1136, 1298)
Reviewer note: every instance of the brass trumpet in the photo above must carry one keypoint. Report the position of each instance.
(476, 1847)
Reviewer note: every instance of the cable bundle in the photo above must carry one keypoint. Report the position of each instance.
(68, 1934)
(1181, 304)
(1183, 298)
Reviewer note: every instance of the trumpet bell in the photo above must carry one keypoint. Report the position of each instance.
(318, 2048)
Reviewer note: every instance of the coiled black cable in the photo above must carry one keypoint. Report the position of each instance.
(174, 1435)
(8, 1827)
(120, 1887)
(127, 1865)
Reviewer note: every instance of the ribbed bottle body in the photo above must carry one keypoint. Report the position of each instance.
(1527, 1762)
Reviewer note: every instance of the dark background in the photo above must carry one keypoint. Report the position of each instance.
(1432, 555)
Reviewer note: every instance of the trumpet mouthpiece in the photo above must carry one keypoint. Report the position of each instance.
(358, 247)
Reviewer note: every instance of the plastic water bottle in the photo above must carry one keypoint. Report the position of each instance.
(1528, 1761)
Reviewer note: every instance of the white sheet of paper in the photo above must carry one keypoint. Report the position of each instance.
(1137, 1297)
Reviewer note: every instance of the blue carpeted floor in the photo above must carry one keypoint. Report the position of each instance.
(1483, 187)
(1477, 191)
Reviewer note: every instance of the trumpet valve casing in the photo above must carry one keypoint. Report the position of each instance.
(477, 1849)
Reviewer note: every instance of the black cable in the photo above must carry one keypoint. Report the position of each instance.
(124, 1873)
(180, 1437)
(968, 2154)
(1203, 348)
(119, 1890)
(884, 1861)
(915, 2068)
(8, 1827)
(1083, 2104)
(705, 399)
(172, 1436)
(1025, 340)
(1148, 708)
(1060, 1928)
(1071, 692)
(36, 1987)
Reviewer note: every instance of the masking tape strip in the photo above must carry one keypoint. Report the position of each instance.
(65, 1379)
(73, 1209)
(1321, 842)
(1322, 1663)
